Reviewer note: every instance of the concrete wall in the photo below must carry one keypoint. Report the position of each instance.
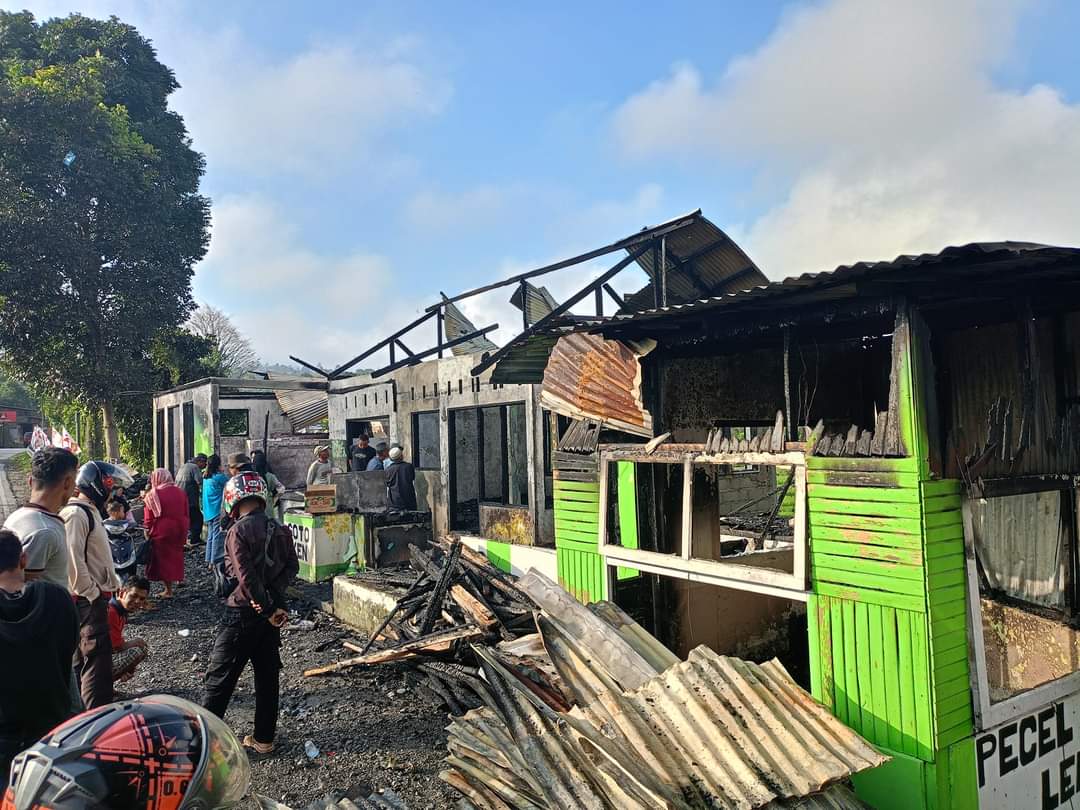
(442, 386)
(207, 400)
(204, 402)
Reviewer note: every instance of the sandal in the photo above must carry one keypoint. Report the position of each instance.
(254, 752)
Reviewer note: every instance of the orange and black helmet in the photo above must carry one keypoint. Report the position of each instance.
(156, 753)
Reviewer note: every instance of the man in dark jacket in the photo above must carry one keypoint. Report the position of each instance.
(400, 482)
(39, 630)
(189, 478)
(261, 558)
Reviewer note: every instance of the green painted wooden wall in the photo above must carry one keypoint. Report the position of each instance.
(577, 521)
(887, 618)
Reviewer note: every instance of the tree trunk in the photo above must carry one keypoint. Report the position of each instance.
(112, 436)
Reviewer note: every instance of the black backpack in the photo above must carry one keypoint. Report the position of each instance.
(224, 584)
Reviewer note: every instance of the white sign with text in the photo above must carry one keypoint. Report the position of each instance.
(1031, 762)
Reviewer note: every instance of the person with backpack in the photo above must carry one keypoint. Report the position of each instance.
(92, 577)
(260, 563)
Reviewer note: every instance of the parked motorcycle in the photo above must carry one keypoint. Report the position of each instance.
(129, 545)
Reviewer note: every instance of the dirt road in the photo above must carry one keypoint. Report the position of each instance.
(373, 728)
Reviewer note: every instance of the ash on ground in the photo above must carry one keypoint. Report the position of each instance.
(373, 728)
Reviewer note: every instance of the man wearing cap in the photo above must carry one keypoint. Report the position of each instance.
(400, 482)
(320, 469)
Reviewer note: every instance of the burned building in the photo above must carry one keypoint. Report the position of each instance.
(907, 527)
(286, 417)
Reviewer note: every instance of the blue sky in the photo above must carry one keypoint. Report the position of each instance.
(363, 156)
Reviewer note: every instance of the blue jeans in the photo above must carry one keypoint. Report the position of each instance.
(215, 541)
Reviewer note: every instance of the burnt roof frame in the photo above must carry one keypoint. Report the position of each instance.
(564, 308)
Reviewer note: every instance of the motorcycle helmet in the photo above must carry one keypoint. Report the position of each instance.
(159, 752)
(240, 488)
(96, 480)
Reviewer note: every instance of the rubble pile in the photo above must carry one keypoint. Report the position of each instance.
(456, 597)
(554, 704)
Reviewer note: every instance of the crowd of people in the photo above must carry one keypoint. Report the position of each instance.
(64, 607)
(388, 458)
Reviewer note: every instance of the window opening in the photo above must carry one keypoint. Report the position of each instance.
(233, 421)
(426, 440)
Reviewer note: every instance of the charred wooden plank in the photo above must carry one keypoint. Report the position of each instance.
(429, 643)
(877, 444)
(652, 444)
(851, 441)
(862, 446)
(777, 439)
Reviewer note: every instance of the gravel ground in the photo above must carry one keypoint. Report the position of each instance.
(373, 727)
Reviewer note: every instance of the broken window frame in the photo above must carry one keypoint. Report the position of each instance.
(683, 566)
(417, 418)
(989, 714)
(222, 419)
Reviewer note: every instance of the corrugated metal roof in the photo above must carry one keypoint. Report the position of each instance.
(455, 325)
(708, 732)
(302, 408)
(588, 377)
(701, 261)
(537, 299)
(963, 261)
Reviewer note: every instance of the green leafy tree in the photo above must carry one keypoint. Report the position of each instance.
(101, 221)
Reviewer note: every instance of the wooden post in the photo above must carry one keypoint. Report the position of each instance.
(599, 302)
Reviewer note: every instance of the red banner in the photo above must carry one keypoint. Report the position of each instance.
(9, 416)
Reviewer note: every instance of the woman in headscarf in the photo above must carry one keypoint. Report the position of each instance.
(167, 524)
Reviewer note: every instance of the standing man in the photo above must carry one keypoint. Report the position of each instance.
(92, 577)
(400, 482)
(189, 478)
(38, 524)
(362, 453)
(320, 469)
(38, 634)
(381, 457)
(261, 559)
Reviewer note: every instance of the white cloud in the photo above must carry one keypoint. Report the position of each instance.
(887, 121)
(289, 298)
(320, 111)
(316, 111)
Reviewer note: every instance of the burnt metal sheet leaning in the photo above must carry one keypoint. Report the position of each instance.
(588, 377)
(457, 325)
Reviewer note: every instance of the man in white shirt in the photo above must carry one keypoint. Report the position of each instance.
(37, 524)
(92, 577)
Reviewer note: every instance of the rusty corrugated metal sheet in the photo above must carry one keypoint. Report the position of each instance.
(588, 377)
(302, 408)
(455, 324)
(701, 261)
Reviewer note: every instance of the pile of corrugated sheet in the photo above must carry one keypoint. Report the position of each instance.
(593, 712)
(457, 597)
